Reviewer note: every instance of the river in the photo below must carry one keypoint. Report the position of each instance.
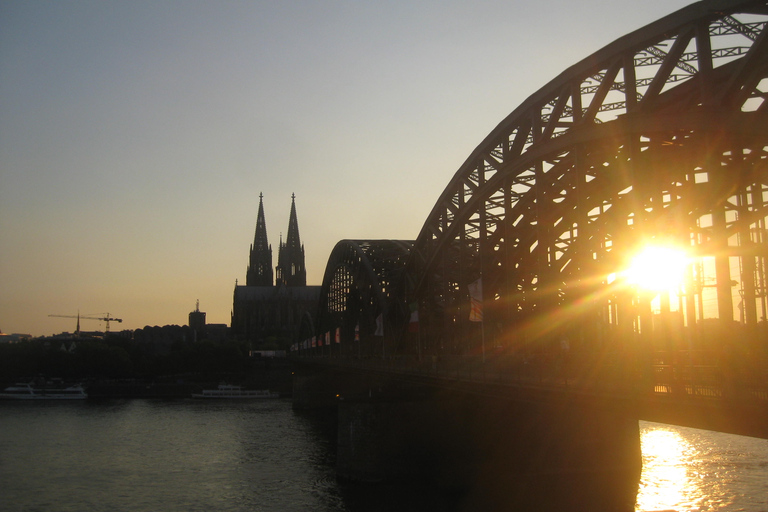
(261, 456)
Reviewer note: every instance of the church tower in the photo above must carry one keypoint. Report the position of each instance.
(269, 314)
(260, 264)
(290, 256)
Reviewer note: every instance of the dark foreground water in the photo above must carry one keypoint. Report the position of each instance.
(186, 455)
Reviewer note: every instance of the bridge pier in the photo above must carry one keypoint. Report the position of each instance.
(493, 450)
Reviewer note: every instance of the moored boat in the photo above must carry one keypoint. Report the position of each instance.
(230, 391)
(27, 391)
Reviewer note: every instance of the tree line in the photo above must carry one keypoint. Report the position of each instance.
(147, 353)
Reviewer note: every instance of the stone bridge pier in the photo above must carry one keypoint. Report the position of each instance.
(493, 449)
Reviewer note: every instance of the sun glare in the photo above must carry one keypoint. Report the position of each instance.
(658, 268)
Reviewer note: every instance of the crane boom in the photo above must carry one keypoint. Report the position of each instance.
(106, 319)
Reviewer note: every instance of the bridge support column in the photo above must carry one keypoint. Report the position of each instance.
(318, 389)
(497, 452)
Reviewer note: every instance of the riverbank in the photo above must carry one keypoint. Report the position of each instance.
(274, 375)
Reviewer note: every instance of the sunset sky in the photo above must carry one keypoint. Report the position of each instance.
(135, 137)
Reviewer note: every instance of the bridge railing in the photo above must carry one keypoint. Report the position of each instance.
(504, 371)
(709, 381)
(679, 381)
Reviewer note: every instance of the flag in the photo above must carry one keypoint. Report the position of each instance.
(476, 301)
(379, 326)
(338, 335)
(328, 338)
(357, 332)
(413, 325)
(314, 342)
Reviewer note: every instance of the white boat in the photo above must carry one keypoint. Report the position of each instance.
(229, 391)
(25, 391)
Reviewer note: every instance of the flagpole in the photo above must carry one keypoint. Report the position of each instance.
(418, 339)
(482, 319)
(476, 308)
(414, 307)
(482, 335)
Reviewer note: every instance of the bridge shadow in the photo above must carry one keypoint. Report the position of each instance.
(553, 495)
(494, 491)
(409, 447)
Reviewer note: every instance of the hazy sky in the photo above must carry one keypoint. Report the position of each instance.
(136, 136)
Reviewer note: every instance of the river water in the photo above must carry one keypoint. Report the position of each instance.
(260, 456)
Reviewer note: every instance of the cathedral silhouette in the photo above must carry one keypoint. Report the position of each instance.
(269, 314)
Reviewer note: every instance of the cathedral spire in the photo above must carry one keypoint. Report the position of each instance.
(290, 257)
(293, 226)
(260, 261)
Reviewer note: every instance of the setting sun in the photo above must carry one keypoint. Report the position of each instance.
(657, 268)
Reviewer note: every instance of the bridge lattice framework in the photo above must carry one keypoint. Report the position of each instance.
(658, 138)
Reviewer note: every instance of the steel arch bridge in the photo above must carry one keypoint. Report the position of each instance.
(359, 285)
(660, 138)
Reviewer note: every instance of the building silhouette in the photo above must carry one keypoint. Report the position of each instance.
(267, 314)
(260, 262)
(197, 321)
(290, 257)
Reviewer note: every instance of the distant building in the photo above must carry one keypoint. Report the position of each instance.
(260, 260)
(216, 332)
(263, 312)
(197, 321)
(291, 270)
(14, 338)
(205, 331)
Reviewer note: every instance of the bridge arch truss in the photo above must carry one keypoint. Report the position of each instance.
(660, 137)
(357, 302)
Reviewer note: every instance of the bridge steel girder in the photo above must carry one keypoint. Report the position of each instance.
(358, 285)
(661, 136)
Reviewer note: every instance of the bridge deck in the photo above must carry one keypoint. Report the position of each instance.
(666, 394)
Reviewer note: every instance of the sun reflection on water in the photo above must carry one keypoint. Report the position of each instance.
(666, 482)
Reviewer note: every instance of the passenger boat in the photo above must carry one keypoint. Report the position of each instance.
(26, 391)
(229, 391)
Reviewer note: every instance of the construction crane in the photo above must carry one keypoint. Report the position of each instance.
(106, 319)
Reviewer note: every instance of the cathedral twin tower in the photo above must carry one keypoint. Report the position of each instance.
(269, 310)
(291, 270)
